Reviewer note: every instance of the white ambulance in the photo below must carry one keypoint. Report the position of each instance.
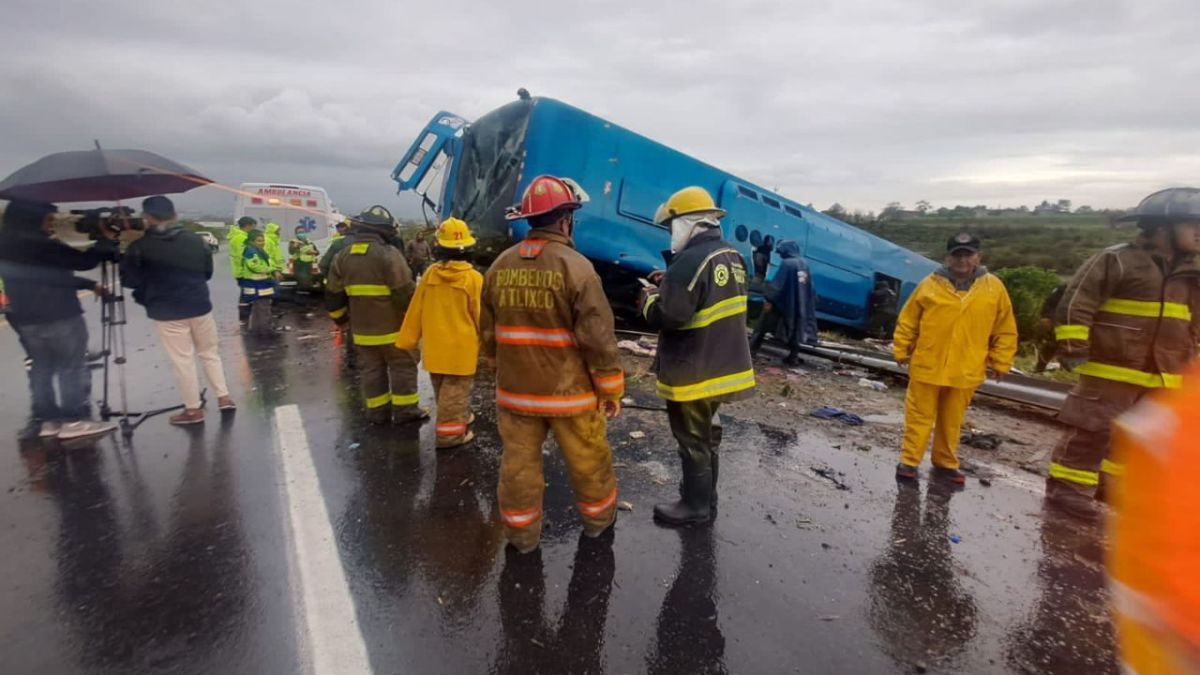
(291, 206)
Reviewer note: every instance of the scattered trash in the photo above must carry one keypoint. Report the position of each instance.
(355, 446)
(441, 601)
(826, 546)
(635, 348)
(534, 641)
(648, 342)
(307, 337)
(836, 477)
(985, 482)
(832, 413)
(872, 384)
(628, 400)
(802, 521)
(620, 465)
(464, 482)
(637, 435)
(771, 519)
(851, 372)
(625, 506)
(983, 441)
(831, 617)
(955, 539)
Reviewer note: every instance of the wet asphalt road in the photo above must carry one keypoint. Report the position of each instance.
(171, 553)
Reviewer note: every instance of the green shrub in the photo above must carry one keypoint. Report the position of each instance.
(1028, 287)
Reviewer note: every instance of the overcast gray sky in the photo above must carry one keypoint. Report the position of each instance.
(998, 102)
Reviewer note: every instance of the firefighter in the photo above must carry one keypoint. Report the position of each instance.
(703, 356)
(444, 313)
(548, 328)
(1128, 323)
(958, 321)
(370, 286)
(1155, 533)
(237, 264)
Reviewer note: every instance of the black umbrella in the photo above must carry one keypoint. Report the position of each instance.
(99, 176)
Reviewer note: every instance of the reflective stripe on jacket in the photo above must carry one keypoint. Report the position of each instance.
(700, 312)
(370, 279)
(1133, 322)
(950, 336)
(546, 321)
(444, 314)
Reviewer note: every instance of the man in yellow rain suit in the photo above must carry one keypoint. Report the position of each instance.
(1155, 531)
(958, 321)
(444, 314)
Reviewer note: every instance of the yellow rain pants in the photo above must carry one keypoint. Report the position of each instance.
(930, 409)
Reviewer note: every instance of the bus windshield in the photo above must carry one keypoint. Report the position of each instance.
(492, 152)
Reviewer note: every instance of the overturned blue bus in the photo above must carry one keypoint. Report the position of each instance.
(475, 170)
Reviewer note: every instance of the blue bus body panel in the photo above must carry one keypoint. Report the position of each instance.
(628, 175)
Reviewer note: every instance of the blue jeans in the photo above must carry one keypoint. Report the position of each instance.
(59, 350)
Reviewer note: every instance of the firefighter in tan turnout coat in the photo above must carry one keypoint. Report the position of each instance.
(548, 328)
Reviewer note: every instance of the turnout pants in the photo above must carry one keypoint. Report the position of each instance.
(697, 436)
(584, 444)
(1080, 462)
(388, 377)
(453, 394)
(932, 410)
(186, 339)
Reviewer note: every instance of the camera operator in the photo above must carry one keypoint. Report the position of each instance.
(45, 309)
(168, 270)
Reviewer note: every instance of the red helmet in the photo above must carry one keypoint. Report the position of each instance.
(544, 194)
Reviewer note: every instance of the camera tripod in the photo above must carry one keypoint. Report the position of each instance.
(112, 347)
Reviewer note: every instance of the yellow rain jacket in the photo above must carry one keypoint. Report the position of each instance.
(445, 311)
(950, 336)
(274, 247)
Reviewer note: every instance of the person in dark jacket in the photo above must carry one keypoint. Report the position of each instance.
(43, 290)
(790, 312)
(703, 356)
(168, 270)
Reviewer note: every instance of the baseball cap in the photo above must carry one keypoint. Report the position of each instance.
(963, 241)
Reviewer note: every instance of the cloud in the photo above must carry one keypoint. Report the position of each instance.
(859, 102)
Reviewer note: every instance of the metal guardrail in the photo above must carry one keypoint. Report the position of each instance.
(1019, 388)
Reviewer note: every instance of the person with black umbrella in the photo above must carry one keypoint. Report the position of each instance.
(168, 270)
(39, 278)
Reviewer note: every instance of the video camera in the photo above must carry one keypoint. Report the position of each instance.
(111, 219)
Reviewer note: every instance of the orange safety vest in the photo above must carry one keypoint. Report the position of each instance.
(1154, 562)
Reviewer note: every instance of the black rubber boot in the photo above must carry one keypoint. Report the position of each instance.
(696, 504)
(792, 359)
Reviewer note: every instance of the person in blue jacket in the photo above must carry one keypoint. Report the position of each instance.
(790, 312)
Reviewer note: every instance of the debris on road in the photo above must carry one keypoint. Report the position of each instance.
(867, 383)
(832, 413)
(830, 617)
(980, 440)
(354, 446)
(637, 435)
(955, 539)
(836, 477)
(625, 506)
(636, 348)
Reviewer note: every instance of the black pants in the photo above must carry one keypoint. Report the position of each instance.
(691, 424)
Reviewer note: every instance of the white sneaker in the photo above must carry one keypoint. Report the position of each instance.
(85, 428)
(49, 430)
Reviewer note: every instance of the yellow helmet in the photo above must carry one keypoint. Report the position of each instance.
(454, 233)
(691, 199)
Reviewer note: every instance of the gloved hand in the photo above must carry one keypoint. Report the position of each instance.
(646, 291)
(1072, 363)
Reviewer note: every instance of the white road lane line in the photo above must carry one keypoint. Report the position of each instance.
(331, 640)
